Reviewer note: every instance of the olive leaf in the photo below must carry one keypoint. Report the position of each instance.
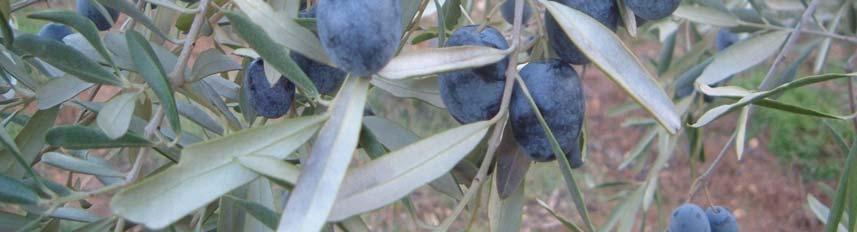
(80, 23)
(393, 176)
(607, 51)
(504, 214)
(66, 58)
(741, 56)
(131, 10)
(115, 118)
(706, 15)
(437, 60)
(313, 197)
(16, 192)
(78, 165)
(79, 137)
(208, 170)
(146, 61)
(285, 32)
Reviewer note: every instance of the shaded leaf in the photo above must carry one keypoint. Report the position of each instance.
(567, 224)
(285, 32)
(313, 197)
(31, 139)
(212, 62)
(80, 23)
(131, 11)
(512, 166)
(66, 58)
(15, 192)
(838, 206)
(150, 69)
(393, 176)
(79, 137)
(57, 91)
(607, 51)
(504, 214)
(264, 214)
(425, 89)
(274, 54)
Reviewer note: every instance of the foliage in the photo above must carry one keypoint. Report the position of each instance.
(203, 151)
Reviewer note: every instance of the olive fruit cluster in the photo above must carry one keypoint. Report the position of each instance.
(690, 218)
(326, 79)
(89, 10)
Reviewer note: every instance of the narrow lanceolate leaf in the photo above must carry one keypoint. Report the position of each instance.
(741, 56)
(436, 60)
(116, 115)
(272, 168)
(59, 90)
(6, 16)
(512, 166)
(15, 192)
(266, 215)
(838, 206)
(80, 23)
(393, 176)
(285, 32)
(131, 10)
(209, 170)
(66, 59)
(568, 225)
(79, 165)
(706, 15)
(312, 199)
(719, 111)
(820, 210)
(31, 139)
(212, 62)
(505, 213)
(150, 69)
(79, 137)
(607, 51)
(425, 89)
(273, 53)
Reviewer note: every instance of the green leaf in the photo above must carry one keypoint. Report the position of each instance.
(424, 89)
(264, 214)
(97, 226)
(31, 139)
(742, 56)
(6, 16)
(706, 15)
(272, 168)
(273, 53)
(393, 176)
(838, 206)
(11, 221)
(208, 170)
(131, 10)
(115, 118)
(313, 197)
(15, 192)
(427, 61)
(607, 51)
(80, 23)
(198, 116)
(79, 137)
(451, 13)
(66, 58)
(59, 90)
(151, 70)
(750, 98)
(285, 32)
(212, 62)
(12, 147)
(512, 166)
(78, 165)
(821, 211)
(504, 214)
(568, 225)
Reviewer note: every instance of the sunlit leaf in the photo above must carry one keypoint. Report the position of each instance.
(437, 60)
(66, 58)
(706, 15)
(150, 69)
(78, 165)
(741, 56)
(115, 118)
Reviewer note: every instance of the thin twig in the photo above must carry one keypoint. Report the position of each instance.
(499, 120)
(178, 74)
(700, 181)
(138, 165)
(154, 123)
(795, 36)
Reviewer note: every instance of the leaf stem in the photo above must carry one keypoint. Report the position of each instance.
(694, 188)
